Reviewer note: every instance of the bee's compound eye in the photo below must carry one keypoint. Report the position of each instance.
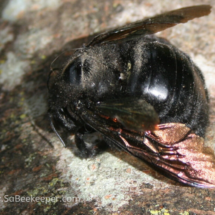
(72, 73)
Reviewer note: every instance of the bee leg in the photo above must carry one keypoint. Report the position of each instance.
(89, 144)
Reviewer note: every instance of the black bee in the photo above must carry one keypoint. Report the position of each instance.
(142, 94)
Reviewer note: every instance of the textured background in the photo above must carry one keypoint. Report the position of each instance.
(32, 33)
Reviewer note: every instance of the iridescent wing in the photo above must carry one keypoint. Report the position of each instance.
(180, 153)
(152, 25)
(171, 147)
(134, 114)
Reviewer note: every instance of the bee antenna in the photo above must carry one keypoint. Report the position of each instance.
(75, 49)
(53, 62)
(55, 131)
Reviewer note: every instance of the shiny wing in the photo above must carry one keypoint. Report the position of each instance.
(172, 148)
(132, 114)
(152, 25)
(180, 153)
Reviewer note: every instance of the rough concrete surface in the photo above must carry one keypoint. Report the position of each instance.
(38, 175)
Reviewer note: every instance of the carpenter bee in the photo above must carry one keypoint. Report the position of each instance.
(142, 94)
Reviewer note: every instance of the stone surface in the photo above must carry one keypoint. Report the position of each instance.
(33, 162)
